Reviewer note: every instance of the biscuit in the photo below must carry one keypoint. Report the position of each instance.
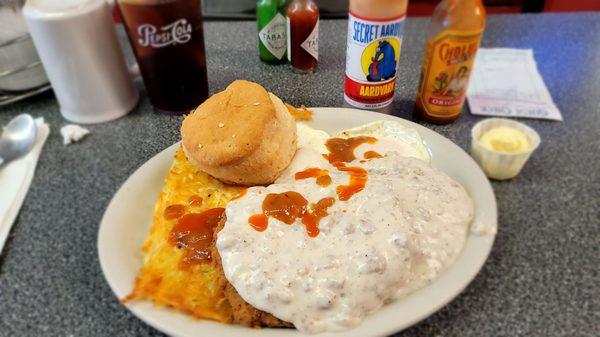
(242, 135)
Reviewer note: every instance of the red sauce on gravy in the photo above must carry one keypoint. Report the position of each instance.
(372, 154)
(317, 212)
(341, 150)
(260, 222)
(323, 178)
(285, 207)
(289, 206)
(194, 233)
(358, 181)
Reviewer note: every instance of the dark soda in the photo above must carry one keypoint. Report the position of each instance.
(168, 42)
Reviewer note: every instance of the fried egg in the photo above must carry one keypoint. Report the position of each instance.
(392, 137)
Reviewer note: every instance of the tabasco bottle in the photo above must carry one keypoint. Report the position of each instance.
(272, 37)
(303, 35)
(454, 35)
(375, 31)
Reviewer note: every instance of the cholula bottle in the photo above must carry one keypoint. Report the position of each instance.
(272, 37)
(454, 35)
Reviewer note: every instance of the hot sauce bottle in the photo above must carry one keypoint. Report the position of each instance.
(454, 35)
(303, 35)
(375, 30)
(270, 16)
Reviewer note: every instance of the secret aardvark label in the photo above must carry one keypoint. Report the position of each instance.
(372, 56)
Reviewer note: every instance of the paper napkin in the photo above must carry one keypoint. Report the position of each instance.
(15, 179)
(506, 82)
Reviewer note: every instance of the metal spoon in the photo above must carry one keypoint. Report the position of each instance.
(18, 138)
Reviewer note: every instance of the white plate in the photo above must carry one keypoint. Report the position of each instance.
(129, 217)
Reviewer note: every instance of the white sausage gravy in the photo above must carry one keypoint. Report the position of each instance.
(323, 253)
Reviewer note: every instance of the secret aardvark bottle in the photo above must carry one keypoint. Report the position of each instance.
(272, 34)
(375, 30)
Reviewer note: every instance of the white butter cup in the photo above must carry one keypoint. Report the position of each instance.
(501, 165)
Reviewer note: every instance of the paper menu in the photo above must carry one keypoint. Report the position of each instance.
(506, 82)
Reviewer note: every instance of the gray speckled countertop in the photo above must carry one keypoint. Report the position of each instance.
(541, 278)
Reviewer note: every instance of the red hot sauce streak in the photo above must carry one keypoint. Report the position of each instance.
(358, 181)
(285, 207)
(194, 233)
(289, 206)
(240, 195)
(323, 178)
(372, 155)
(341, 150)
(260, 222)
(317, 212)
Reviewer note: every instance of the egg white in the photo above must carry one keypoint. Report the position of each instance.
(392, 137)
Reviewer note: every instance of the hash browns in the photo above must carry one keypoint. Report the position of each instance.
(200, 289)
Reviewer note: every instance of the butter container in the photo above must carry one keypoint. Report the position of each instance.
(498, 164)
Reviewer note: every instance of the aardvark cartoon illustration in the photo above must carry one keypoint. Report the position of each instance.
(383, 64)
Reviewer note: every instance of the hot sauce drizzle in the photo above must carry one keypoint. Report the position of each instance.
(341, 150)
(372, 154)
(240, 195)
(260, 222)
(317, 212)
(324, 181)
(194, 233)
(358, 181)
(285, 207)
(323, 178)
(174, 211)
(289, 206)
(195, 200)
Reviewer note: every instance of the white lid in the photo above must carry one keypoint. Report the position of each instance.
(59, 8)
